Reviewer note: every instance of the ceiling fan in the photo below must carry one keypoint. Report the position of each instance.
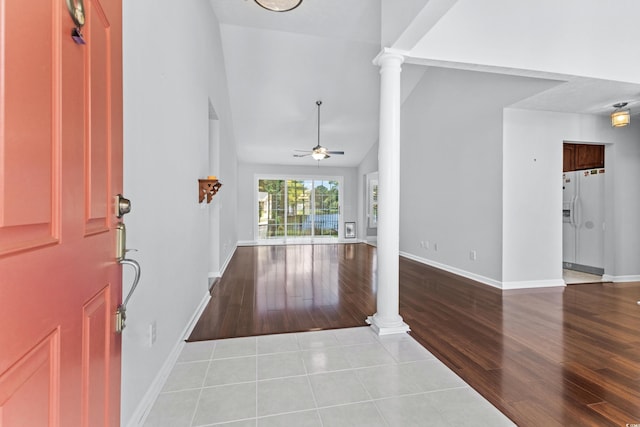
(318, 152)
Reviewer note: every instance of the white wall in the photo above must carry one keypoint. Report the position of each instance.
(227, 162)
(571, 37)
(214, 208)
(247, 207)
(172, 66)
(396, 19)
(532, 204)
(623, 244)
(451, 169)
(488, 179)
(368, 165)
(533, 140)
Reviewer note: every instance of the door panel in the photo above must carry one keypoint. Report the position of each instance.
(29, 389)
(569, 189)
(271, 208)
(326, 208)
(589, 156)
(299, 208)
(95, 359)
(97, 140)
(28, 195)
(590, 246)
(60, 166)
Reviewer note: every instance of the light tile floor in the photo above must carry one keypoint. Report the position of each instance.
(574, 277)
(344, 377)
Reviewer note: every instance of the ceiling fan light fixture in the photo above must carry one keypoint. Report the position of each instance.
(318, 152)
(279, 5)
(621, 116)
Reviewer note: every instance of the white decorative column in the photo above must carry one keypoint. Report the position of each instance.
(387, 319)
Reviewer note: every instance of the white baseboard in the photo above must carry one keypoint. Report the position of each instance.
(398, 328)
(454, 270)
(226, 262)
(620, 279)
(216, 274)
(521, 284)
(531, 284)
(142, 411)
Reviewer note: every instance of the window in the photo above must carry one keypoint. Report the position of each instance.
(293, 208)
(372, 197)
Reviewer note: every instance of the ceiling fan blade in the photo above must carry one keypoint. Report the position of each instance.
(302, 151)
(301, 155)
(335, 152)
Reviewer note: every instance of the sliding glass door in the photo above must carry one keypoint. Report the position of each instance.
(298, 208)
(326, 208)
(271, 208)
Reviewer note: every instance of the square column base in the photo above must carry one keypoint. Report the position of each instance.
(398, 328)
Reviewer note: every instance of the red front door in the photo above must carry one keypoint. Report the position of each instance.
(60, 167)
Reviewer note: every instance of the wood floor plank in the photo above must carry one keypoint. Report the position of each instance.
(613, 415)
(546, 357)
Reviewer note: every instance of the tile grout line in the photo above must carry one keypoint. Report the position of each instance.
(397, 359)
(313, 395)
(195, 410)
(353, 369)
(365, 387)
(256, 385)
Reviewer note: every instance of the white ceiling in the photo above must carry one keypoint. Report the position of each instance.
(279, 64)
(583, 43)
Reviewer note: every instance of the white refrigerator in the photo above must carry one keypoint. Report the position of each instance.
(583, 221)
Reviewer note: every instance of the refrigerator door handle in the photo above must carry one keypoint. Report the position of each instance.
(577, 215)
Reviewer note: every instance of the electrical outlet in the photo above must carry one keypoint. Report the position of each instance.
(426, 244)
(435, 247)
(152, 333)
(472, 255)
(422, 244)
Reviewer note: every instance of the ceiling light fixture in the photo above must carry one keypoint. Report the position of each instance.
(318, 152)
(279, 5)
(318, 155)
(620, 116)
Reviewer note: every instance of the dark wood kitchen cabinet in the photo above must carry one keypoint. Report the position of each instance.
(582, 156)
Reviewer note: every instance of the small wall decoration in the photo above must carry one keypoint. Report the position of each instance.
(208, 188)
(350, 230)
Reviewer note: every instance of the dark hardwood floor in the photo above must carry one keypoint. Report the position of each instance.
(275, 289)
(550, 357)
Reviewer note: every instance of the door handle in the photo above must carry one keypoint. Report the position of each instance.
(133, 263)
(121, 244)
(121, 312)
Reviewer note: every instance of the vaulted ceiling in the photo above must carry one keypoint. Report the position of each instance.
(279, 64)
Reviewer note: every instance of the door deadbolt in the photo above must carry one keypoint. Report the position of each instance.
(123, 206)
